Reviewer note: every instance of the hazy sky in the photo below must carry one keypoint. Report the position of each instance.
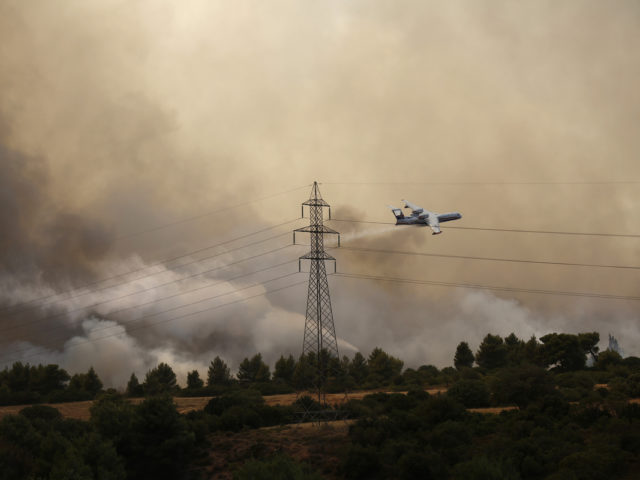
(120, 116)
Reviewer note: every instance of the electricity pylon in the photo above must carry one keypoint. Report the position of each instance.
(319, 342)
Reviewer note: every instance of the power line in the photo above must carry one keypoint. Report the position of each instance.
(511, 230)
(604, 182)
(16, 307)
(153, 274)
(178, 307)
(85, 307)
(491, 259)
(548, 232)
(77, 344)
(207, 214)
(487, 287)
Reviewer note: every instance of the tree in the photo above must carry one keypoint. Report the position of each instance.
(86, 382)
(464, 356)
(93, 385)
(512, 340)
(471, 393)
(254, 370)
(531, 353)
(18, 379)
(134, 389)
(564, 351)
(522, 385)
(382, 366)
(492, 352)
(588, 342)
(77, 382)
(218, 373)
(285, 368)
(304, 375)
(358, 370)
(194, 381)
(607, 359)
(47, 379)
(112, 417)
(515, 349)
(161, 441)
(161, 379)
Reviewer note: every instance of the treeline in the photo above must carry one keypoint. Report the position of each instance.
(558, 352)
(566, 426)
(379, 369)
(495, 358)
(24, 384)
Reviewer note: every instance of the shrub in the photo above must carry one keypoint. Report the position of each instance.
(522, 385)
(481, 468)
(278, 467)
(471, 393)
(244, 398)
(362, 462)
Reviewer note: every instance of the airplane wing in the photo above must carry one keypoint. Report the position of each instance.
(447, 217)
(414, 208)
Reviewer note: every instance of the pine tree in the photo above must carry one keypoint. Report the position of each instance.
(358, 369)
(464, 356)
(218, 373)
(492, 352)
(92, 383)
(160, 380)
(254, 370)
(284, 368)
(134, 389)
(382, 366)
(194, 381)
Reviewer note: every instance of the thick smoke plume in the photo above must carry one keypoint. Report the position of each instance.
(117, 118)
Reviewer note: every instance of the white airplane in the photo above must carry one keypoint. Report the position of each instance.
(420, 216)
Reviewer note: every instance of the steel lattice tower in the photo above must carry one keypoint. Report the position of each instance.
(319, 330)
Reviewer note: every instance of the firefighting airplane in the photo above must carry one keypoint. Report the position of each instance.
(420, 216)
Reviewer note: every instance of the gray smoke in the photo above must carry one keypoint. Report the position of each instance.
(119, 117)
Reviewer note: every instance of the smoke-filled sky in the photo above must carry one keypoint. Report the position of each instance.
(212, 118)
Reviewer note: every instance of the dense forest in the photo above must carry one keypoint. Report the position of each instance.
(575, 416)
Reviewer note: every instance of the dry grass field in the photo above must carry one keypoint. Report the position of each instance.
(80, 410)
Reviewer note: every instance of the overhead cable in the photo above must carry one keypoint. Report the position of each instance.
(137, 292)
(511, 230)
(16, 307)
(138, 327)
(487, 287)
(213, 212)
(491, 259)
(480, 184)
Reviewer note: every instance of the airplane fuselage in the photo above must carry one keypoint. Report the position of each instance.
(420, 216)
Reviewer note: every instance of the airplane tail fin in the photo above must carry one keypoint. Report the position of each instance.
(397, 212)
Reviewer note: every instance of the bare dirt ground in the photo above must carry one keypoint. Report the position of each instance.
(492, 409)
